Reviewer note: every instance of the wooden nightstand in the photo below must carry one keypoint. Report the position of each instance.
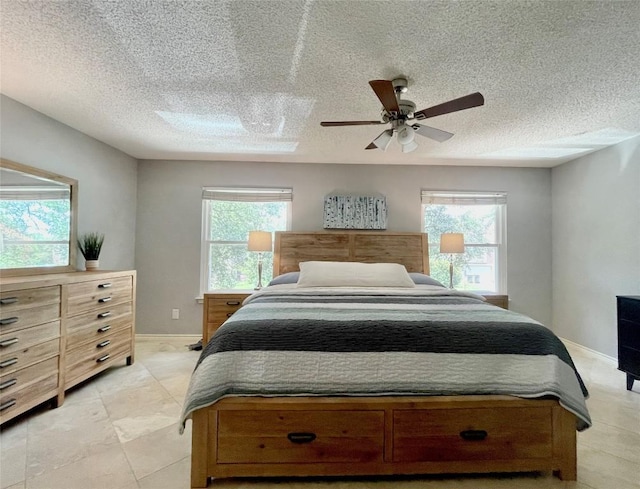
(217, 308)
(497, 300)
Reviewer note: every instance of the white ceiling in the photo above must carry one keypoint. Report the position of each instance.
(252, 79)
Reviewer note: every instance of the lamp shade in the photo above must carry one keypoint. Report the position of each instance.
(259, 241)
(452, 243)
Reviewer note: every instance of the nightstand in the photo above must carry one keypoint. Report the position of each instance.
(217, 308)
(497, 300)
(629, 337)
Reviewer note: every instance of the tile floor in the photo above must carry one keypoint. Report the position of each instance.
(119, 431)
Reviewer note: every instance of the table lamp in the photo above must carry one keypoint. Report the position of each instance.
(451, 243)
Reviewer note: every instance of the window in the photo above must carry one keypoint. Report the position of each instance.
(34, 227)
(481, 217)
(228, 214)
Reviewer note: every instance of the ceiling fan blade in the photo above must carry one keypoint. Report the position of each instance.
(386, 93)
(432, 133)
(462, 103)
(350, 123)
(382, 141)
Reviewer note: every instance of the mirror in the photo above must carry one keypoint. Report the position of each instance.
(38, 211)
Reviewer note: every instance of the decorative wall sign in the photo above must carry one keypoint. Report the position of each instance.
(355, 212)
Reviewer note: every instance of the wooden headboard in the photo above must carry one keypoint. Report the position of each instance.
(408, 249)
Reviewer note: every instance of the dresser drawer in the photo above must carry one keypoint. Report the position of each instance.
(24, 357)
(90, 358)
(629, 360)
(25, 318)
(16, 341)
(471, 434)
(629, 334)
(300, 436)
(12, 404)
(85, 296)
(629, 309)
(26, 377)
(99, 323)
(18, 300)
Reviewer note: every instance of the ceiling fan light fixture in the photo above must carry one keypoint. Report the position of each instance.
(405, 134)
(409, 147)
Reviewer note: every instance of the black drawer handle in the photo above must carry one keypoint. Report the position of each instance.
(229, 314)
(104, 329)
(8, 363)
(301, 437)
(473, 435)
(8, 383)
(105, 299)
(5, 321)
(103, 344)
(8, 404)
(8, 300)
(103, 358)
(233, 303)
(104, 314)
(12, 341)
(105, 285)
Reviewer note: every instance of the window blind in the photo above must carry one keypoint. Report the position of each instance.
(34, 193)
(463, 198)
(248, 194)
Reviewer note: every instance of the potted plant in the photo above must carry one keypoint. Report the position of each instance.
(90, 245)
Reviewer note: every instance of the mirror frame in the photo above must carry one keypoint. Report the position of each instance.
(73, 234)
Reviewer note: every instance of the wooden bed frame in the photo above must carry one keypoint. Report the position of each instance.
(333, 436)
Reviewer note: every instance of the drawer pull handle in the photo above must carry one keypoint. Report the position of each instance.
(233, 303)
(301, 437)
(229, 314)
(8, 363)
(8, 404)
(473, 435)
(12, 341)
(104, 329)
(8, 300)
(8, 383)
(105, 285)
(104, 314)
(103, 344)
(105, 299)
(103, 358)
(5, 321)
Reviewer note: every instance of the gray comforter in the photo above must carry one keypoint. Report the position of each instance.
(287, 341)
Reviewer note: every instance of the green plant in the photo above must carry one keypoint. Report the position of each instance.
(90, 245)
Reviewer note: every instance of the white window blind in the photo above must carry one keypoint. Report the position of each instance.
(463, 198)
(34, 193)
(248, 194)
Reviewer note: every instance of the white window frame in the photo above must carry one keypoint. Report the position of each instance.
(454, 197)
(238, 194)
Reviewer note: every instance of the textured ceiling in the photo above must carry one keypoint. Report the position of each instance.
(252, 79)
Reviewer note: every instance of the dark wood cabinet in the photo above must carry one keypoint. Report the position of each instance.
(629, 337)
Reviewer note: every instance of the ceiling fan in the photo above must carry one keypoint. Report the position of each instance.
(401, 113)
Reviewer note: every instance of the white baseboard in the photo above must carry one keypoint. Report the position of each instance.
(143, 336)
(598, 354)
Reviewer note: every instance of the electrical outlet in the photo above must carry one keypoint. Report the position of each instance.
(175, 313)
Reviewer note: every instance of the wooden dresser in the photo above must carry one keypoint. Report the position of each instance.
(629, 337)
(60, 329)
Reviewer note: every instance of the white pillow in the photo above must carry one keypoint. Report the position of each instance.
(353, 274)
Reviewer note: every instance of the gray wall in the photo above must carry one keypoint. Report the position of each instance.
(596, 243)
(170, 206)
(107, 178)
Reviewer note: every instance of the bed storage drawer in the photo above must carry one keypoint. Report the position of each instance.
(472, 434)
(300, 436)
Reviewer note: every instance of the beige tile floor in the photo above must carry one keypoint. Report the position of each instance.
(119, 431)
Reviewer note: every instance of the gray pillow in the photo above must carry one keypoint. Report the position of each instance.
(286, 278)
(422, 279)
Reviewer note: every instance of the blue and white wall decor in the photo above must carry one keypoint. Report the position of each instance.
(355, 212)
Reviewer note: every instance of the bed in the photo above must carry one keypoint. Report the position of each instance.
(325, 381)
